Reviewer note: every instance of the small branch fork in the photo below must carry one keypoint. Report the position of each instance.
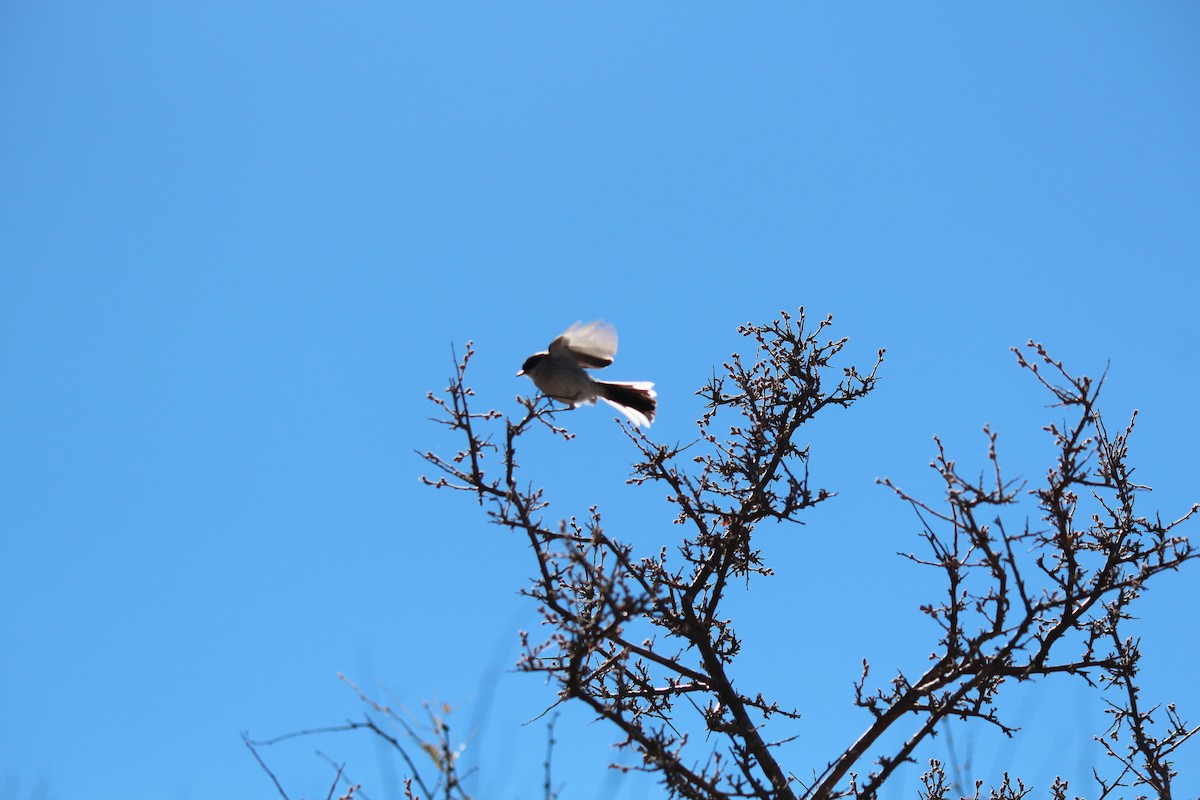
(434, 772)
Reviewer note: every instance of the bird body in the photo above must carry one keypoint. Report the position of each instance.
(560, 372)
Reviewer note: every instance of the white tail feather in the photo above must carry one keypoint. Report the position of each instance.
(634, 399)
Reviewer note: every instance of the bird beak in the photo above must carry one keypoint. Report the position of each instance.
(519, 374)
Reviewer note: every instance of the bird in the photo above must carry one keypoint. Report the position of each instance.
(560, 372)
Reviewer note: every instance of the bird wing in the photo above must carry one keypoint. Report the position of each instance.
(592, 345)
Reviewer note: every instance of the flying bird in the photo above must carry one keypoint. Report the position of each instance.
(560, 372)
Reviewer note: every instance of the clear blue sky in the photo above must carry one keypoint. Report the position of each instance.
(238, 239)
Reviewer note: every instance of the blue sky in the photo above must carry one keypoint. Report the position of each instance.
(239, 239)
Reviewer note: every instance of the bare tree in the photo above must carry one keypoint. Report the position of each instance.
(641, 640)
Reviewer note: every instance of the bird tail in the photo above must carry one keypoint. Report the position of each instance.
(634, 399)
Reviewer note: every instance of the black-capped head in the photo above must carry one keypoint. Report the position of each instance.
(531, 363)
